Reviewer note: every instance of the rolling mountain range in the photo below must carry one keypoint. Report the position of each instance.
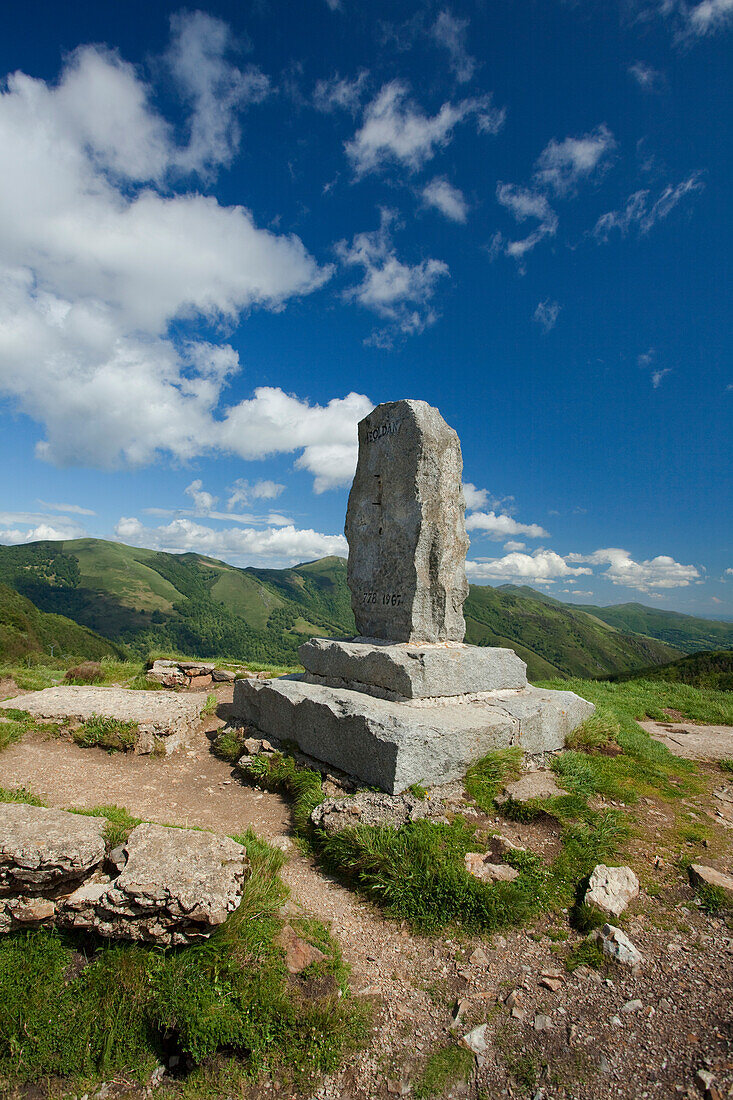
(146, 599)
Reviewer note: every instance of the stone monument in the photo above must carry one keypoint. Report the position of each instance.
(406, 701)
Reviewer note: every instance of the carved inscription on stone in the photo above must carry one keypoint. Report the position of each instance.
(406, 528)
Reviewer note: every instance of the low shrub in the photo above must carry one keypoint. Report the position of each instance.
(89, 672)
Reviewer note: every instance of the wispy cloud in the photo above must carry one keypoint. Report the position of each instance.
(559, 170)
(642, 214)
(340, 93)
(547, 313)
(450, 32)
(647, 77)
(70, 509)
(399, 292)
(658, 375)
(562, 165)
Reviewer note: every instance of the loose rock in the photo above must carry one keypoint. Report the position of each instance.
(480, 866)
(619, 947)
(611, 888)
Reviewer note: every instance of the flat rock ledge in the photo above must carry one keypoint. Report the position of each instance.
(165, 722)
(164, 885)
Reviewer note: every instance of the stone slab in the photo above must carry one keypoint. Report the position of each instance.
(44, 850)
(392, 745)
(405, 524)
(176, 886)
(165, 720)
(410, 671)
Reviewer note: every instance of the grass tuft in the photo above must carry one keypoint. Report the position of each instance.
(107, 733)
(119, 822)
(20, 794)
(445, 1067)
(72, 1008)
(485, 777)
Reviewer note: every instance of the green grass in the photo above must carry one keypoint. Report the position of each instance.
(20, 794)
(417, 872)
(644, 766)
(637, 699)
(712, 898)
(15, 723)
(484, 778)
(445, 1067)
(586, 953)
(77, 1009)
(119, 822)
(725, 765)
(106, 733)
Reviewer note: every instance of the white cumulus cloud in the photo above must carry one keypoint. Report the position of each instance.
(660, 572)
(395, 130)
(498, 526)
(271, 546)
(99, 256)
(543, 566)
(446, 198)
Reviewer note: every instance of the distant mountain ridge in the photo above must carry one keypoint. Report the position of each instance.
(148, 599)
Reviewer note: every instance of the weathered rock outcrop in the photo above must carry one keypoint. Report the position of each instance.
(176, 886)
(371, 808)
(164, 885)
(164, 722)
(42, 850)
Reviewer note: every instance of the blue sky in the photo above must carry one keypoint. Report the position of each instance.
(226, 233)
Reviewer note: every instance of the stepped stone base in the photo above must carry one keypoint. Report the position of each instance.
(391, 744)
(406, 670)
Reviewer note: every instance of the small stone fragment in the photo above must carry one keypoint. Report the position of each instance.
(480, 866)
(298, 952)
(700, 875)
(478, 957)
(611, 888)
(619, 947)
(476, 1040)
(553, 984)
(514, 998)
(542, 1022)
(632, 1006)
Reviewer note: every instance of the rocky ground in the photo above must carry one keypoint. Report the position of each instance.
(664, 1032)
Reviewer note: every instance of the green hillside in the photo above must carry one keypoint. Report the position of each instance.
(193, 604)
(555, 638)
(25, 630)
(151, 600)
(686, 632)
(711, 669)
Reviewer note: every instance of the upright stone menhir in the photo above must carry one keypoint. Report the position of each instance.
(405, 527)
(406, 701)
